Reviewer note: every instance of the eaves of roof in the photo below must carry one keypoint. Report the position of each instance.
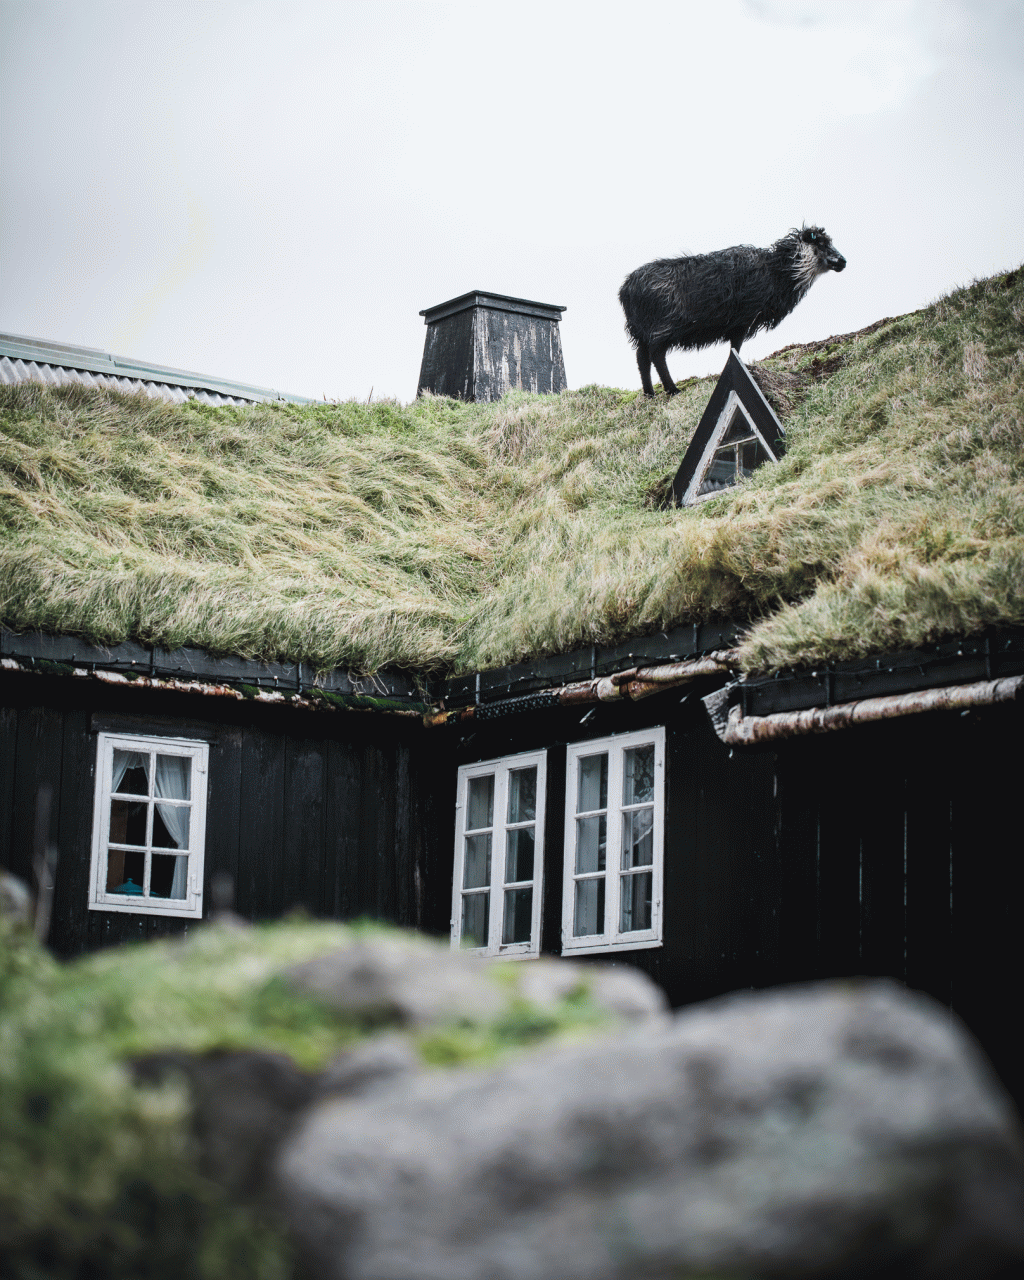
(659, 663)
(194, 670)
(635, 670)
(25, 359)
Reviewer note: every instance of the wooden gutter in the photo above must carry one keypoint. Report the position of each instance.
(737, 730)
(311, 699)
(633, 683)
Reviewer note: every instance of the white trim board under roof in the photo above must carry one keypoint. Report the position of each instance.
(737, 433)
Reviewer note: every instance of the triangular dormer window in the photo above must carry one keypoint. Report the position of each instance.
(737, 433)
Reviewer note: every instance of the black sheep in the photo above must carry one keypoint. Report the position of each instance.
(726, 296)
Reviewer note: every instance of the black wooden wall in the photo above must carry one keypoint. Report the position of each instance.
(888, 850)
(899, 855)
(329, 812)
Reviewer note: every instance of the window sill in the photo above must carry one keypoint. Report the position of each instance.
(179, 913)
(604, 948)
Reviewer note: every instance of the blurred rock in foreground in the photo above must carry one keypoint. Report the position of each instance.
(407, 980)
(846, 1129)
(194, 1108)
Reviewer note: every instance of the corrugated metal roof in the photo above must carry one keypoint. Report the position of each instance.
(56, 363)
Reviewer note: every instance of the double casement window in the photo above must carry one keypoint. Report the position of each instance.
(614, 842)
(612, 855)
(499, 856)
(149, 826)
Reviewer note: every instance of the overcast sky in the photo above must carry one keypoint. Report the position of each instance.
(272, 193)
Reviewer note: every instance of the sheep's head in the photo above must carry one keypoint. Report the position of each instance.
(819, 242)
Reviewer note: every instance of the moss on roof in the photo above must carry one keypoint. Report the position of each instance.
(461, 537)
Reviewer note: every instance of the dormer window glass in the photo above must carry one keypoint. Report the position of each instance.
(737, 433)
(742, 451)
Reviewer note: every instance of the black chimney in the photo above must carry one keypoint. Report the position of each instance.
(481, 345)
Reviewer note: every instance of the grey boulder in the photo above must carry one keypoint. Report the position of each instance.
(411, 981)
(840, 1130)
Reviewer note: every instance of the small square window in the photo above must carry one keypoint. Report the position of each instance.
(149, 826)
(614, 842)
(499, 856)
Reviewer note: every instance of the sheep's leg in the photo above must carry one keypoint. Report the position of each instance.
(643, 361)
(658, 356)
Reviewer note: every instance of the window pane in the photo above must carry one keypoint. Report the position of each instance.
(638, 838)
(131, 772)
(636, 902)
(752, 455)
(519, 855)
(481, 803)
(722, 471)
(168, 876)
(477, 871)
(738, 429)
(638, 777)
(518, 915)
(522, 795)
(170, 826)
(590, 843)
(474, 919)
(173, 777)
(593, 783)
(128, 822)
(126, 872)
(589, 914)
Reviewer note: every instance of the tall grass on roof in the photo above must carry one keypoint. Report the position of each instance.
(450, 536)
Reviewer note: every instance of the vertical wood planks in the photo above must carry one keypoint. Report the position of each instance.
(260, 893)
(74, 829)
(342, 837)
(39, 760)
(881, 881)
(302, 866)
(8, 765)
(554, 835)
(223, 813)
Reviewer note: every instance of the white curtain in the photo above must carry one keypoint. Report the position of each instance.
(172, 779)
(125, 760)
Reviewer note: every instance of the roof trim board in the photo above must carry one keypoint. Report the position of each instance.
(132, 659)
(632, 671)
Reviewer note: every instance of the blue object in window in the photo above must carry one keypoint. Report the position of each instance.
(129, 886)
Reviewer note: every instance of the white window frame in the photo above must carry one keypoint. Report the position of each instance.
(500, 768)
(191, 906)
(613, 939)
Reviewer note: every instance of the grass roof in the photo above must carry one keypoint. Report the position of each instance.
(461, 537)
